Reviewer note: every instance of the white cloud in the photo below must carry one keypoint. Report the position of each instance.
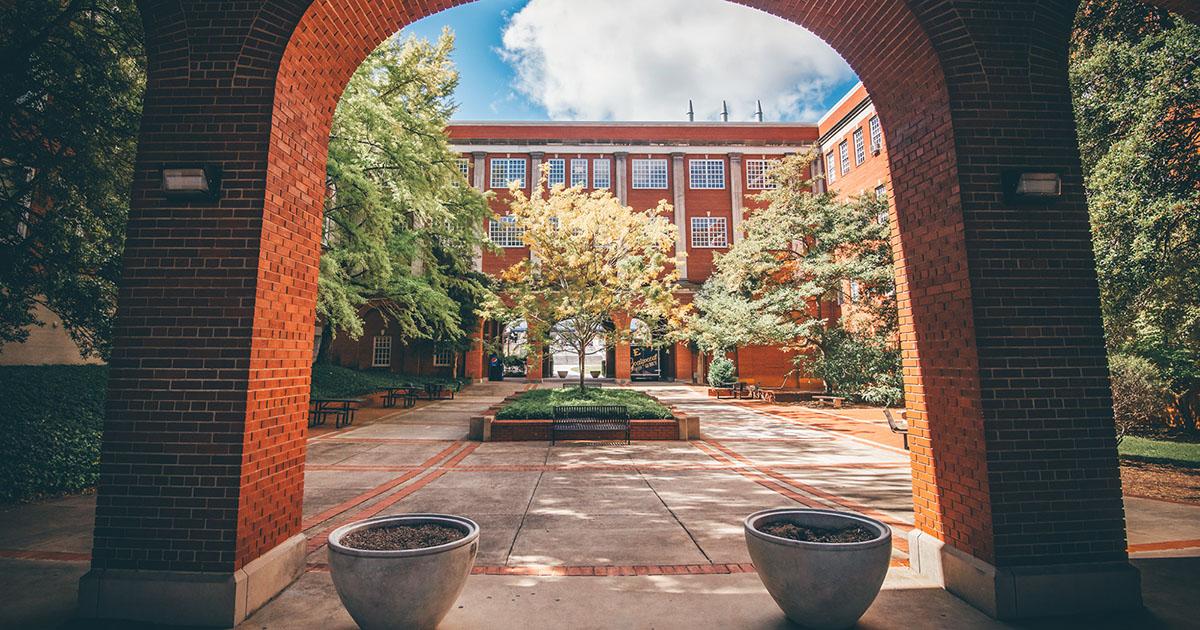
(643, 60)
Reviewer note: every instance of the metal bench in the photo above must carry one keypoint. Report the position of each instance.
(736, 390)
(897, 427)
(342, 410)
(589, 418)
(407, 394)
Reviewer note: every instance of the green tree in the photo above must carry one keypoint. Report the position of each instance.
(1136, 85)
(403, 224)
(800, 255)
(591, 258)
(71, 84)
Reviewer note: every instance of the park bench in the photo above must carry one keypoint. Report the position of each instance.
(406, 394)
(897, 427)
(737, 390)
(836, 400)
(588, 419)
(341, 409)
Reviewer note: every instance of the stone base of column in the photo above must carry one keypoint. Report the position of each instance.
(1026, 592)
(185, 598)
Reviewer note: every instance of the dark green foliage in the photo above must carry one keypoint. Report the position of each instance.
(861, 367)
(332, 381)
(1136, 85)
(721, 373)
(71, 83)
(1139, 394)
(540, 403)
(52, 426)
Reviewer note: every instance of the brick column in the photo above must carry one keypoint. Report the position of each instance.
(621, 176)
(678, 191)
(479, 181)
(476, 371)
(623, 354)
(736, 194)
(684, 370)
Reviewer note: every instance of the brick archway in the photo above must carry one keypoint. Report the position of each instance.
(1014, 463)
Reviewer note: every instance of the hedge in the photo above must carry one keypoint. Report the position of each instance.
(332, 381)
(52, 422)
(540, 403)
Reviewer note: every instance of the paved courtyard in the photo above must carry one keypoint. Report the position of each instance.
(601, 535)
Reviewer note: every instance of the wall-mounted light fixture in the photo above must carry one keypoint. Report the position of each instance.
(1032, 187)
(191, 182)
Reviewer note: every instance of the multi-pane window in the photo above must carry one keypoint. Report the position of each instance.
(464, 167)
(860, 151)
(650, 173)
(855, 291)
(709, 232)
(881, 191)
(505, 233)
(505, 170)
(579, 169)
(876, 135)
(830, 167)
(381, 351)
(706, 174)
(443, 357)
(601, 173)
(758, 174)
(558, 172)
(844, 156)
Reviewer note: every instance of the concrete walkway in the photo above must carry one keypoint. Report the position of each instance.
(596, 535)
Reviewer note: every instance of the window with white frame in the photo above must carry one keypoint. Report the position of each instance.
(881, 191)
(464, 167)
(505, 233)
(844, 156)
(579, 173)
(709, 232)
(650, 174)
(505, 170)
(706, 174)
(876, 135)
(558, 172)
(860, 150)
(443, 356)
(601, 173)
(758, 174)
(381, 351)
(855, 291)
(830, 167)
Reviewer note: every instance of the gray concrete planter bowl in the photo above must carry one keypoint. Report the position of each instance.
(822, 586)
(402, 589)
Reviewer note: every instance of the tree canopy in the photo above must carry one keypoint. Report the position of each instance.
(801, 256)
(71, 85)
(1136, 84)
(591, 259)
(403, 224)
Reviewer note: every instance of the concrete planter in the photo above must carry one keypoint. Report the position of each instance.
(822, 586)
(410, 589)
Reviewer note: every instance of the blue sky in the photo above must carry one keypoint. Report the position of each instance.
(634, 60)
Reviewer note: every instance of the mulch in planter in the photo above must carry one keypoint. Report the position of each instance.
(795, 531)
(400, 537)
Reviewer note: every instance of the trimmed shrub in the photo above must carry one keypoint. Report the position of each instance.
(52, 426)
(1140, 394)
(721, 373)
(333, 381)
(539, 404)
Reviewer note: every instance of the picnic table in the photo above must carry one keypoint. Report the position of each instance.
(342, 410)
(740, 389)
(435, 390)
(406, 393)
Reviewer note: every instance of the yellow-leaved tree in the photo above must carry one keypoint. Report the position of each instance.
(591, 258)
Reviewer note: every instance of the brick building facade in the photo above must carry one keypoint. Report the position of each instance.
(710, 172)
